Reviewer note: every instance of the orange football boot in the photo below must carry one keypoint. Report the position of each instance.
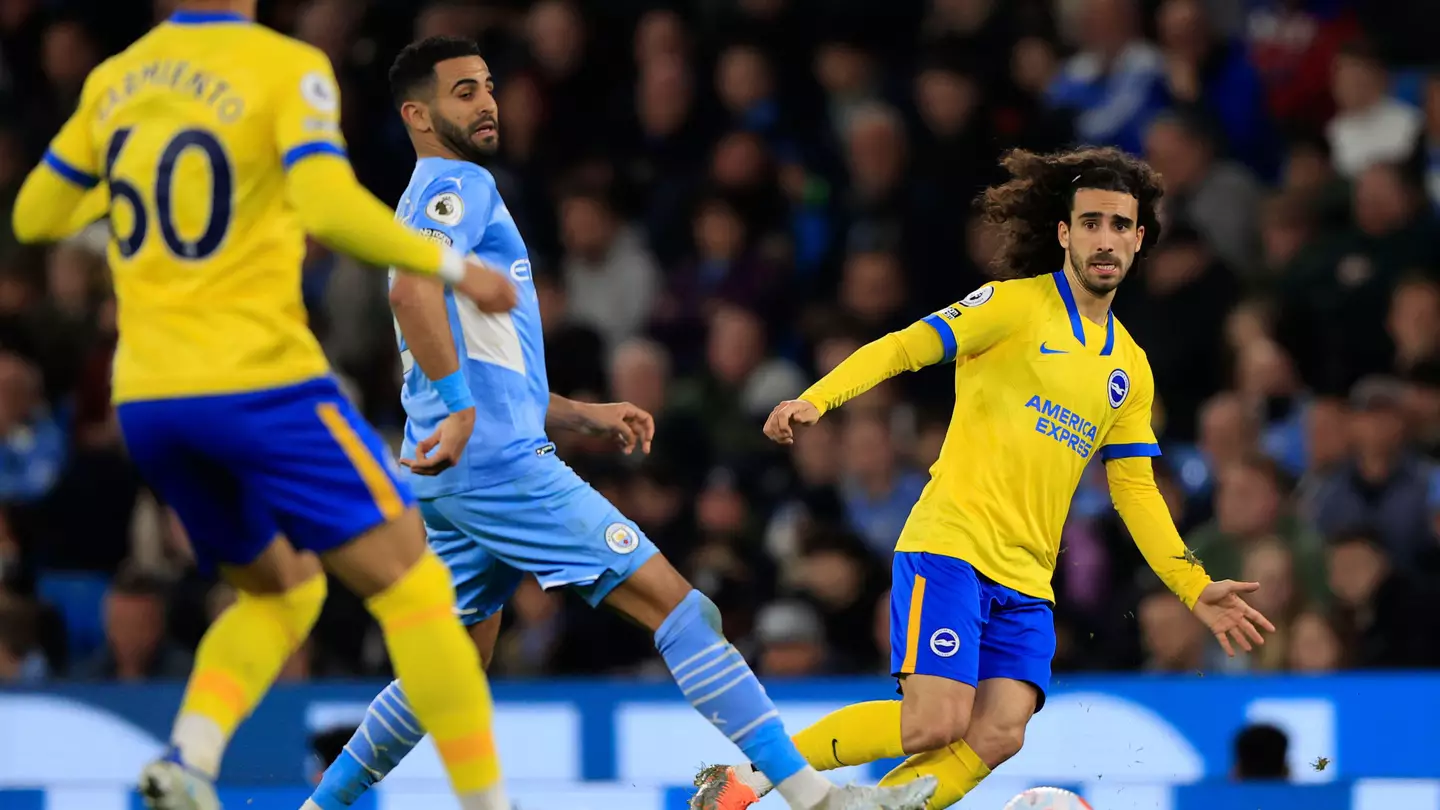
(720, 788)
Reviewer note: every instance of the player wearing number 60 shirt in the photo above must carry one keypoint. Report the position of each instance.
(215, 145)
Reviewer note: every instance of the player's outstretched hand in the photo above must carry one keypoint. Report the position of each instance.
(1229, 617)
(780, 427)
(490, 290)
(631, 426)
(448, 442)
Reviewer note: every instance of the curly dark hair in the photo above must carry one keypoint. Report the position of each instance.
(1040, 194)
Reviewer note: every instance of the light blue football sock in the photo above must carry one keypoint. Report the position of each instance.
(389, 732)
(718, 682)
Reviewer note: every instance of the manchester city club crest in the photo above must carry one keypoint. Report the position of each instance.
(621, 538)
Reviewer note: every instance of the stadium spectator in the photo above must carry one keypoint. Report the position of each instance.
(1228, 430)
(136, 647)
(1252, 508)
(32, 443)
(1171, 639)
(1117, 81)
(1388, 613)
(1293, 44)
(790, 639)
(1261, 754)
(1207, 72)
(1314, 644)
(1371, 126)
(1274, 562)
(1414, 322)
(877, 488)
(1384, 486)
(611, 280)
(1218, 197)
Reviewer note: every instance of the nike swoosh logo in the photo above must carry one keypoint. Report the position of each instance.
(1047, 350)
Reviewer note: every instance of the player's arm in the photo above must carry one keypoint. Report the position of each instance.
(419, 308)
(452, 215)
(971, 326)
(418, 304)
(1127, 451)
(1218, 604)
(979, 321)
(631, 426)
(63, 193)
(1138, 500)
(332, 205)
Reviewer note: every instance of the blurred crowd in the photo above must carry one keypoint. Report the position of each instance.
(722, 199)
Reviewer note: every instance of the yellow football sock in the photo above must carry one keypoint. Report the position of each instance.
(439, 670)
(854, 735)
(958, 768)
(238, 659)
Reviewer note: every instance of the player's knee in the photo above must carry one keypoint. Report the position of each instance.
(423, 592)
(994, 742)
(304, 602)
(709, 613)
(932, 729)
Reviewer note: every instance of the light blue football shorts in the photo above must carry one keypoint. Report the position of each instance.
(548, 522)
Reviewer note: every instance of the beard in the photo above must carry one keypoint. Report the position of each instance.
(1097, 285)
(457, 139)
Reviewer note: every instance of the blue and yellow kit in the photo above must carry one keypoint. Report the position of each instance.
(214, 145)
(1039, 392)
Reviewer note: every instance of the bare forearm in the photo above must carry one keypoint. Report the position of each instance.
(564, 414)
(419, 307)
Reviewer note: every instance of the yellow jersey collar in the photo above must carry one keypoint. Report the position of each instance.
(1077, 326)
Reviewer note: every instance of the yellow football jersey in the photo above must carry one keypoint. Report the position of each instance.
(1039, 392)
(192, 129)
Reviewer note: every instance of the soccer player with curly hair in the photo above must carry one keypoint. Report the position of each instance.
(1045, 378)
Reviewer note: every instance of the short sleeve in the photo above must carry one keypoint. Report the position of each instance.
(307, 104)
(1132, 435)
(979, 320)
(454, 210)
(73, 153)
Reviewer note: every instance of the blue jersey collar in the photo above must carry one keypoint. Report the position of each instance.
(1077, 325)
(206, 17)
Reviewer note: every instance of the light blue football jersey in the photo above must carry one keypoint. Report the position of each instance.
(503, 355)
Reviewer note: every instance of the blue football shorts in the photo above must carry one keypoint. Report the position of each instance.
(949, 620)
(548, 522)
(240, 469)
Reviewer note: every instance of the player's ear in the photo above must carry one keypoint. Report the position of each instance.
(1139, 237)
(416, 115)
(1062, 232)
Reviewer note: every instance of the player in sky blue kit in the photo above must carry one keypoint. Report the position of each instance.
(497, 502)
